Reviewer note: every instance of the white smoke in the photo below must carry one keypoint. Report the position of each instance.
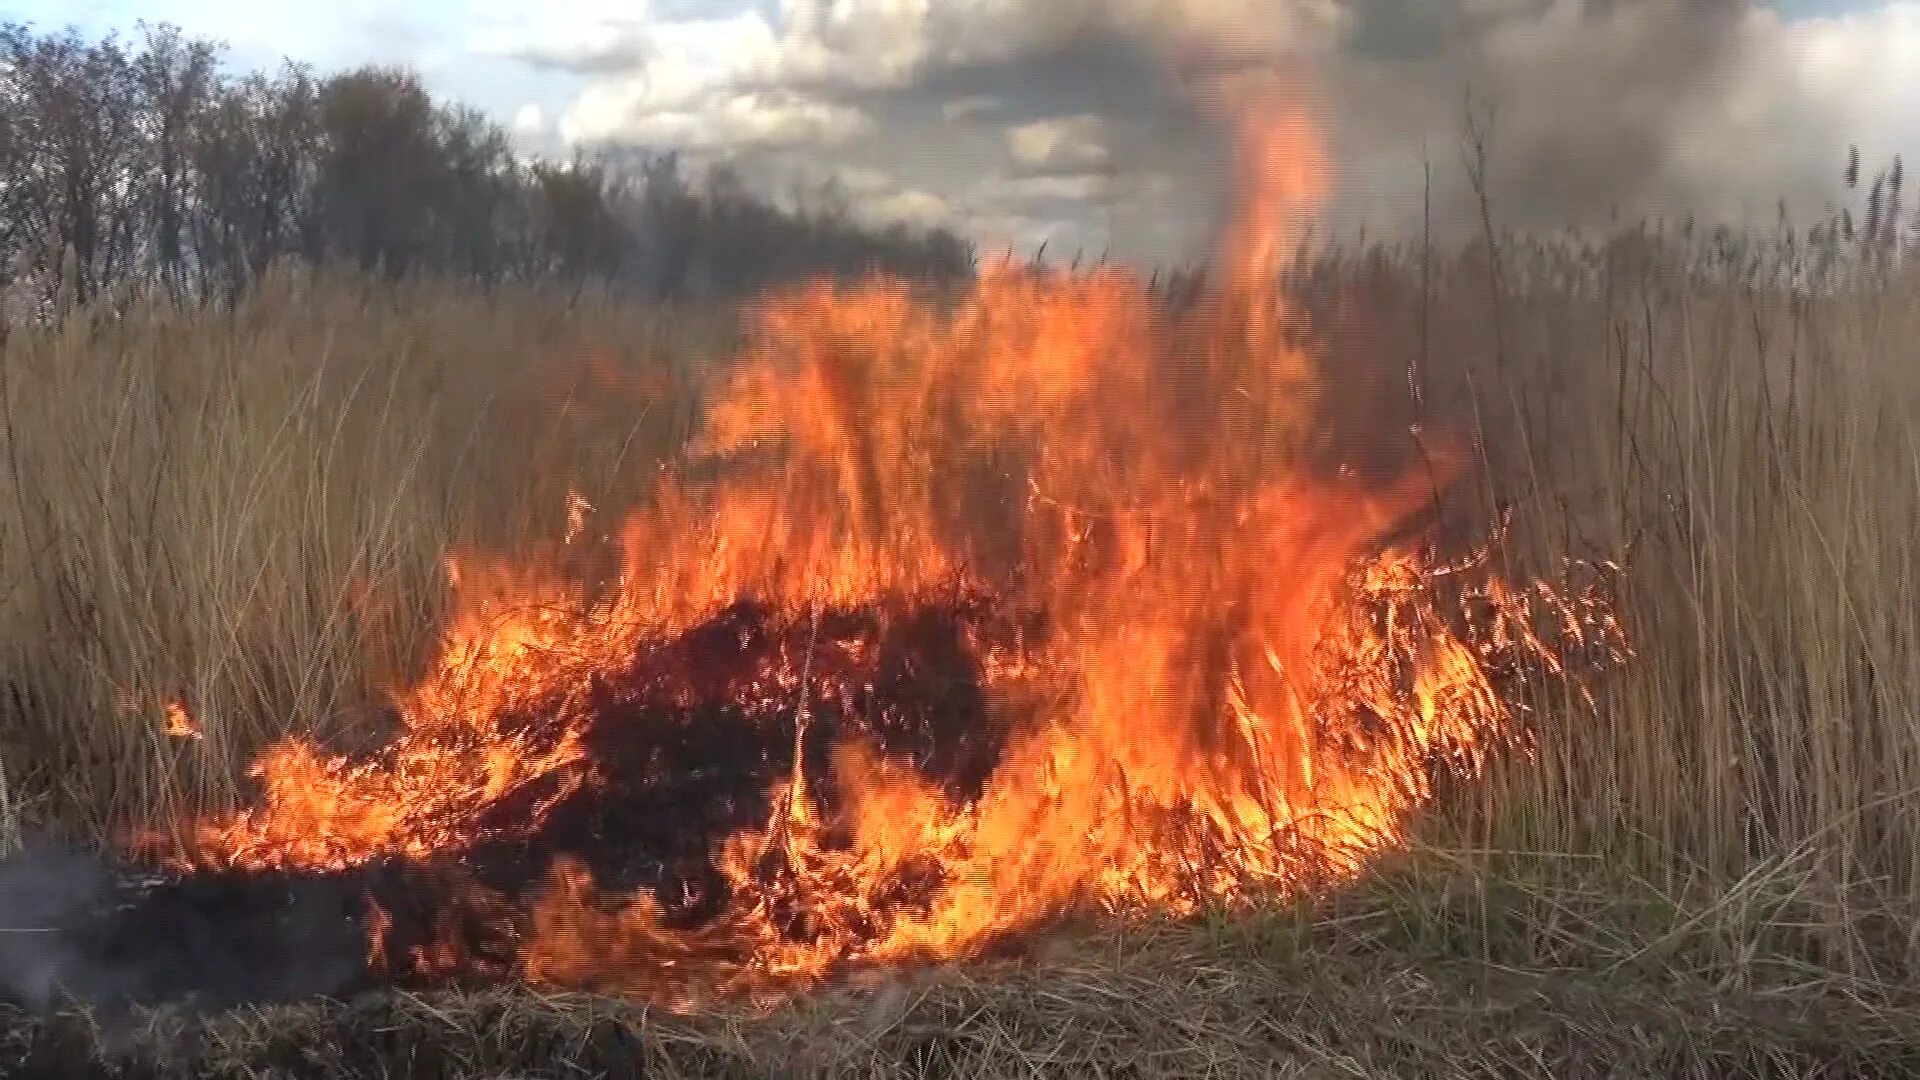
(75, 931)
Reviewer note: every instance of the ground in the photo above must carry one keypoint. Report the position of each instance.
(1270, 995)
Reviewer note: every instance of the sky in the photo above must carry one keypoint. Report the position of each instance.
(1064, 121)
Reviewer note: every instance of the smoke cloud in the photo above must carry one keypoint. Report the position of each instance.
(1670, 107)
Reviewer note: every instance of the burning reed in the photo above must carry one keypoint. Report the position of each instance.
(948, 618)
(1034, 601)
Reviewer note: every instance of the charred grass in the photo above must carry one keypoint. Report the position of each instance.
(1711, 870)
(1342, 995)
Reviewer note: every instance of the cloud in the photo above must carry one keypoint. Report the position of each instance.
(719, 120)
(858, 181)
(1712, 107)
(889, 43)
(594, 36)
(529, 121)
(1861, 66)
(1059, 143)
(913, 206)
(1071, 187)
(970, 107)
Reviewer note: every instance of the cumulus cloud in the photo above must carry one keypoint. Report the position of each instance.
(721, 120)
(1059, 143)
(530, 121)
(858, 181)
(889, 43)
(913, 206)
(1073, 187)
(1717, 108)
(595, 36)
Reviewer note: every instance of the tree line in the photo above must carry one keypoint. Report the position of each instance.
(144, 162)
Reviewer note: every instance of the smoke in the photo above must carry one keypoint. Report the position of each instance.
(75, 930)
(45, 895)
(1712, 109)
(1568, 112)
(1578, 110)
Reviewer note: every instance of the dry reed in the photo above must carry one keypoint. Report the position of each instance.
(191, 501)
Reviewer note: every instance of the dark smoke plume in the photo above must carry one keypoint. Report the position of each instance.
(1665, 107)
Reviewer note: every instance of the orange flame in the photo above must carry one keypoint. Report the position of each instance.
(1244, 683)
(177, 722)
(577, 510)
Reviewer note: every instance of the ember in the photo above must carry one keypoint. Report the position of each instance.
(993, 608)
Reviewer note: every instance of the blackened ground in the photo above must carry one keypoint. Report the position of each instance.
(684, 746)
(78, 929)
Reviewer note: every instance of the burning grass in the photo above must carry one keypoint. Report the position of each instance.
(925, 623)
(1031, 601)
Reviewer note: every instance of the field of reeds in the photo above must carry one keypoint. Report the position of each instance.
(1712, 869)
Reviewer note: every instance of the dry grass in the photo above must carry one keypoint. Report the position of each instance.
(1752, 454)
(1720, 869)
(247, 511)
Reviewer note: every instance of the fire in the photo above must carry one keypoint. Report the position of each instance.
(177, 722)
(1184, 663)
(577, 510)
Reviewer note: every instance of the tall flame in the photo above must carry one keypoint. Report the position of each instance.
(1240, 678)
